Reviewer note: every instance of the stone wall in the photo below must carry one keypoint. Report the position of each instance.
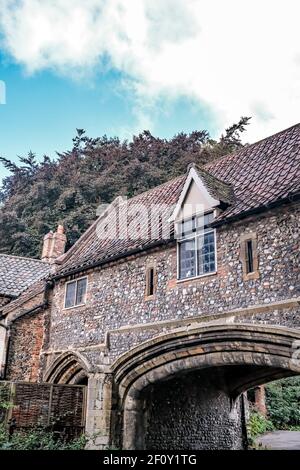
(288, 317)
(118, 316)
(116, 299)
(192, 412)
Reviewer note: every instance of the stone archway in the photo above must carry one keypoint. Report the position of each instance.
(257, 354)
(69, 368)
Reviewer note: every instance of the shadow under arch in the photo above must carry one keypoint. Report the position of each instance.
(259, 353)
(68, 368)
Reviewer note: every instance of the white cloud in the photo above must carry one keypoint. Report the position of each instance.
(238, 58)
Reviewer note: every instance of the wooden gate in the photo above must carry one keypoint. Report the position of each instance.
(57, 407)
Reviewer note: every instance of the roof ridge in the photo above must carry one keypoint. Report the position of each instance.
(198, 168)
(207, 165)
(27, 258)
(84, 237)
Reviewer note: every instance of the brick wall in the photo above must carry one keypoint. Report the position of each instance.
(26, 340)
(27, 333)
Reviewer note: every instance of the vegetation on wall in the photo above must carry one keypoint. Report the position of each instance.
(36, 196)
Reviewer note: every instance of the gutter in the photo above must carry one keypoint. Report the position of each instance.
(113, 258)
(257, 210)
(159, 243)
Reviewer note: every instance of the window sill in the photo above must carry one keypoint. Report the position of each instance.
(251, 276)
(195, 278)
(74, 306)
(149, 297)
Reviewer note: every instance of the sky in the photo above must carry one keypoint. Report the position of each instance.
(117, 67)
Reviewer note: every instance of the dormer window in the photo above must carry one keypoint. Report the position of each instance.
(196, 246)
(202, 197)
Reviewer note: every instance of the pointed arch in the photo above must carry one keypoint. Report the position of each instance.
(68, 368)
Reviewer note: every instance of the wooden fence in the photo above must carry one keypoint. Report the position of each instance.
(60, 408)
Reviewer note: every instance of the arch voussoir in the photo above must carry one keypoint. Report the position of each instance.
(216, 345)
(260, 353)
(67, 368)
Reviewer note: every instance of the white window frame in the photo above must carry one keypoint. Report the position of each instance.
(194, 237)
(65, 296)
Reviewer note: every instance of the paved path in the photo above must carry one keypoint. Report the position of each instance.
(281, 440)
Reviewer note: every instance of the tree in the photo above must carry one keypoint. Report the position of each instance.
(37, 196)
(283, 403)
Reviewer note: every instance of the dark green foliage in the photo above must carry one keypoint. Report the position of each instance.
(37, 438)
(37, 196)
(283, 403)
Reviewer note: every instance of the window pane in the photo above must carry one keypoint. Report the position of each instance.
(203, 220)
(81, 290)
(187, 259)
(206, 253)
(249, 256)
(187, 226)
(151, 282)
(70, 294)
(208, 218)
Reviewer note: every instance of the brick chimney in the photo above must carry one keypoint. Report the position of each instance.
(54, 245)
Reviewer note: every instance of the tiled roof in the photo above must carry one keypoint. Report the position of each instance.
(38, 287)
(89, 248)
(258, 175)
(17, 273)
(262, 173)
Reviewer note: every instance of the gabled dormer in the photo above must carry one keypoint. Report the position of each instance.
(202, 196)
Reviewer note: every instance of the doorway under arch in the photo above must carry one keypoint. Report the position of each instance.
(185, 388)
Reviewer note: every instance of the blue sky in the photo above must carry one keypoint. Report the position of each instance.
(43, 110)
(117, 67)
